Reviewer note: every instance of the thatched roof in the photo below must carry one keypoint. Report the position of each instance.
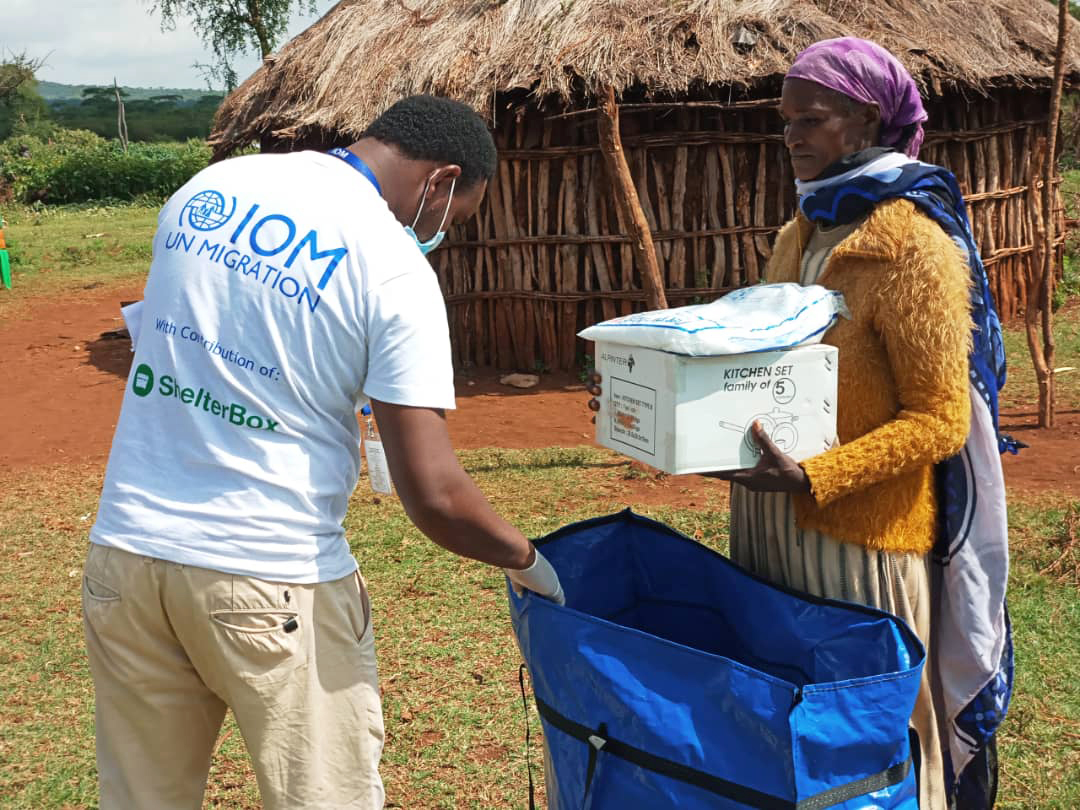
(364, 54)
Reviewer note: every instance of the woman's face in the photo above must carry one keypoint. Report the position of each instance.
(821, 126)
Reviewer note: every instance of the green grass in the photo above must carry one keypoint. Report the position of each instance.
(72, 248)
(1021, 389)
(447, 659)
(448, 662)
(1040, 745)
(1069, 286)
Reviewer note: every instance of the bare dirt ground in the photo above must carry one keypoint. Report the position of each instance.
(63, 369)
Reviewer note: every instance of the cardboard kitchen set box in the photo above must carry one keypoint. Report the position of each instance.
(685, 414)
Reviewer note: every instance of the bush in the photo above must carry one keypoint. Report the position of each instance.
(1069, 132)
(1068, 286)
(78, 166)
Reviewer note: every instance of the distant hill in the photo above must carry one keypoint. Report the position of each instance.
(56, 93)
(153, 113)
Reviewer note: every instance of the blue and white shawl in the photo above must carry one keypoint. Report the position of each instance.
(972, 658)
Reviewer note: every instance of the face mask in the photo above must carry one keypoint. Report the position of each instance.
(440, 234)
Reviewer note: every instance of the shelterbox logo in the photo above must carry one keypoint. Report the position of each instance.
(234, 413)
(143, 382)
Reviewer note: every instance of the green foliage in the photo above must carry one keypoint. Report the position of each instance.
(22, 108)
(228, 27)
(164, 116)
(1069, 132)
(76, 166)
(1068, 287)
(15, 71)
(95, 94)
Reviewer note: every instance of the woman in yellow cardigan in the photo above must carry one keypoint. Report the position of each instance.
(857, 522)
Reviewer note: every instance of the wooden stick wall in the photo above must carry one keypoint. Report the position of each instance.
(548, 252)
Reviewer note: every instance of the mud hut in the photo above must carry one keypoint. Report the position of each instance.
(697, 83)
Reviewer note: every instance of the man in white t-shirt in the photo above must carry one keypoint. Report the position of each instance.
(285, 292)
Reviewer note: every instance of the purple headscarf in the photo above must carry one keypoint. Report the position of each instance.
(868, 73)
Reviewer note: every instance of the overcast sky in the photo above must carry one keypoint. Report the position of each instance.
(90, 41)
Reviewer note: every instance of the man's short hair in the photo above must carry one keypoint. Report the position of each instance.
(439, 129)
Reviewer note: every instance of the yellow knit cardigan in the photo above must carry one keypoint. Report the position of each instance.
(904, 401)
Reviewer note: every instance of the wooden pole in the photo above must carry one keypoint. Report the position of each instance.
(1044, 290)
(121, 117)
(1037, 267)
(626, 198)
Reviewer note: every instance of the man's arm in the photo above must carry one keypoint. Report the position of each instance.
(438, 495)
(409, 360)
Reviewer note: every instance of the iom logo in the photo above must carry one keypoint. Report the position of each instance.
(251, 240)
(206, 211)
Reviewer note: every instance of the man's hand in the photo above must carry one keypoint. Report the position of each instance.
(774, 472)
(539, 577)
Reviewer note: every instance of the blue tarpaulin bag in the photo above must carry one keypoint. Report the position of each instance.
(673, 678)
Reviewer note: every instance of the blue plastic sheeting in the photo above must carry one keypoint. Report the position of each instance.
(674, 678)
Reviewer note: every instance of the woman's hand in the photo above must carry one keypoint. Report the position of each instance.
(774, 472)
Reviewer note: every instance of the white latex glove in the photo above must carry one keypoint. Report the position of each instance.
(540, 578)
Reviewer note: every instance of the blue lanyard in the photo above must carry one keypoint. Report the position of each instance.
(357, 164)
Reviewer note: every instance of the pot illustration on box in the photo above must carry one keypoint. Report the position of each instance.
(778, 424)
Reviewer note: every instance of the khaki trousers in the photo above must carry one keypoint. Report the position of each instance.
(172, 646)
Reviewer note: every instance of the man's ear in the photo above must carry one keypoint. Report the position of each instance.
(441, 179)
(447, 171)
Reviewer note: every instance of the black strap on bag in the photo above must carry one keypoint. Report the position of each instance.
(598, 740)
(528, 738)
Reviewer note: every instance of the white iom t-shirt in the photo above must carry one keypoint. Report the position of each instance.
(282, 295)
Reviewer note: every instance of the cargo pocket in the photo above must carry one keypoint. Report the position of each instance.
(261, 646)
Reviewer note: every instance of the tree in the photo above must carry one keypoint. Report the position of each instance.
(230, 27)
(1038, 315)
(103, 96)
(626, 198)
(21, 105)
(15, 71)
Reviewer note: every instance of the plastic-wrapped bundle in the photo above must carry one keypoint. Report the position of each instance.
(753, 319)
